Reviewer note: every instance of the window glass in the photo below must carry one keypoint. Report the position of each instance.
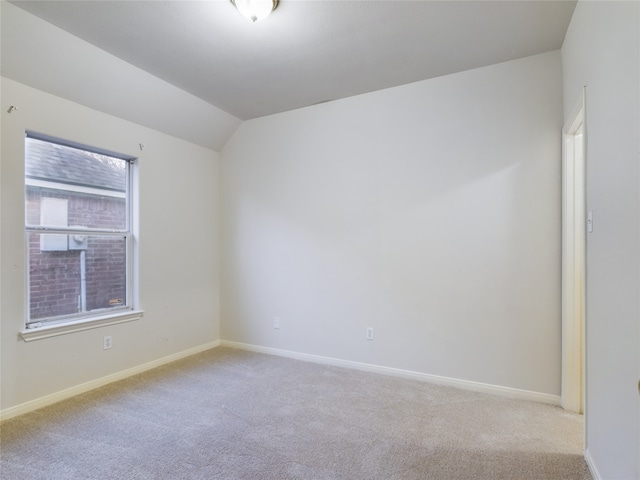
(94, 185)
(77, 231)
(89, 275)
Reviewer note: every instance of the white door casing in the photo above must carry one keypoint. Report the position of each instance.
(573, 260)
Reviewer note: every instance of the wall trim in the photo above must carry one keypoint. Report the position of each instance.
(44, 330)
(509, 392)
(396, 372)
(87, 386)
(591, 464)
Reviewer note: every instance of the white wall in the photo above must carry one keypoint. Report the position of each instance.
(178, 241)
(42, 56)
(602, 51)
(430, 212)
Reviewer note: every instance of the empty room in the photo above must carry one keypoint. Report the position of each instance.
(320, 239)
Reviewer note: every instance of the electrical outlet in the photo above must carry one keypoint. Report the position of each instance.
(107, 343)
(276, 322)
(369, 335)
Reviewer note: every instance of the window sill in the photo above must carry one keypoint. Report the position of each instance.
(47, 331)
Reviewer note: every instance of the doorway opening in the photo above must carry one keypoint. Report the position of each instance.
(573, 260)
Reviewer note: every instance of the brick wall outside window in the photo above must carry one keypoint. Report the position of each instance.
(55, 276)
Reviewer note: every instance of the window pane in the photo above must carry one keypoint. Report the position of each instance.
(93, 185)
(89, 274)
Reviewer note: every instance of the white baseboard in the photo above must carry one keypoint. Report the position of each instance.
(85, 387)
(453, 382)
(592, 466)
(396, 372)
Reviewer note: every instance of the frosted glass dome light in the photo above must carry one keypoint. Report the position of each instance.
(255, 10)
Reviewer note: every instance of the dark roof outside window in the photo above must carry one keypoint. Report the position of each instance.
(61, 164)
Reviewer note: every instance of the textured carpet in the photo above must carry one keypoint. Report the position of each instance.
(231, 414)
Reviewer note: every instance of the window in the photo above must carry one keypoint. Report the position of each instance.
(77, 231)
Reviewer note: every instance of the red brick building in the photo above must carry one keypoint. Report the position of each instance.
(76, 272)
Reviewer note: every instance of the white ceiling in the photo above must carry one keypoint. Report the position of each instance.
(308, 51)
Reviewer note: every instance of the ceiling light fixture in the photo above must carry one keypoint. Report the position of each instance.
(255, 10)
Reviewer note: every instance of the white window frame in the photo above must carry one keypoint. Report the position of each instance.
(64, 324)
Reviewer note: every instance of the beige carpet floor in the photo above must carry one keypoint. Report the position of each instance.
(231, 414)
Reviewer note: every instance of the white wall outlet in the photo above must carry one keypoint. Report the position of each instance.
(369, 335)
(107, 343)
(276, 322)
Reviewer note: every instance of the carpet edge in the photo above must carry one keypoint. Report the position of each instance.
(56, 397)
(591, 464)
(396, 372)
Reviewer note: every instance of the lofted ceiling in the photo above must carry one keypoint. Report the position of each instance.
(307, 51)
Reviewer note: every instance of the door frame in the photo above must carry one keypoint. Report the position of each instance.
(574, 259)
